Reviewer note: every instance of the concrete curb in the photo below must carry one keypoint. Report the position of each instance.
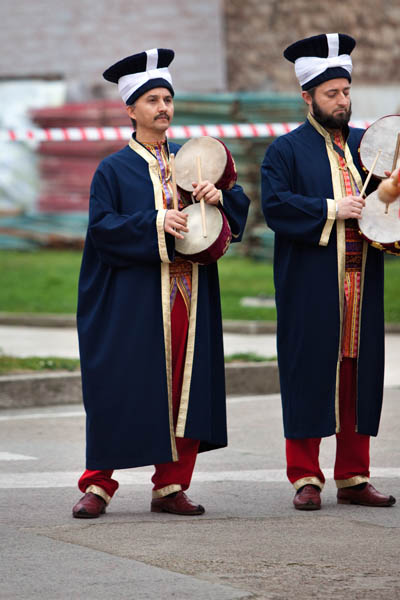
(25, 391)
(62, 320)
(247, 379)
(37, 320)
(249, 327)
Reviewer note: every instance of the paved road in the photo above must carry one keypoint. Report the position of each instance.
(51, 341)
(250, 543)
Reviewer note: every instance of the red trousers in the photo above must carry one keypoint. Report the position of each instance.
(172, 476)
(352, 449)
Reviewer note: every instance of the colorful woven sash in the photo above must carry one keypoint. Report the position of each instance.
(180, 271)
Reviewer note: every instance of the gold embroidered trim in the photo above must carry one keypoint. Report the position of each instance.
(142, 151)
(317, 126)
(340, 237)
(162, 244)
(165, 286)
(343, 483)
(330, 219)
(308, 481)
(158, 197)
(166, 309)
(187, 374)
(357, 178)
(169, 489)
(95, 489)
(377, 245)
(341, 258)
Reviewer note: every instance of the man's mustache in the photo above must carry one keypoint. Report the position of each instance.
(162, 116)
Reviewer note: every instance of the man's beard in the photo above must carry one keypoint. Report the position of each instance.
(330, 121)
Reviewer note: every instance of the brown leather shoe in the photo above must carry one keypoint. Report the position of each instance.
(368, 496)
(307, 498)
(179, 504)
(90, 506)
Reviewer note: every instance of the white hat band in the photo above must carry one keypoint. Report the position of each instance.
(130, 83)
(309, 67)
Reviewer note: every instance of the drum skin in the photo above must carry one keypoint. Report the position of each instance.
(204, 250)
(381, 135)
(217, 163)
(380, 229)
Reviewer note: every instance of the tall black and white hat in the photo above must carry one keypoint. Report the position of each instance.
(321, 57)
(141, 72)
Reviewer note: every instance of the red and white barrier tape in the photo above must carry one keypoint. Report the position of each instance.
(93, 134)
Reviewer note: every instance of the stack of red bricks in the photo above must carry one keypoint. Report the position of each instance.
(67, 167)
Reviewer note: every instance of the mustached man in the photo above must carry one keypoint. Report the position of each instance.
(149, 322)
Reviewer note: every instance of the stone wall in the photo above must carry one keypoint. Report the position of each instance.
(76, 40)
(220, 44)
(257, 32)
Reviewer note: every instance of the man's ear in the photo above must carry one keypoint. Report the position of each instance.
(307, 98)
(130, 109)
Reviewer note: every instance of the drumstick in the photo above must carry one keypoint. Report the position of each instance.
(396, 153)
(202, 207)
(370, 173)
(173, 180)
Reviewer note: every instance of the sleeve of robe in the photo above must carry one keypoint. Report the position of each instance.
(301, 218)
(235, 205)
(124, 239)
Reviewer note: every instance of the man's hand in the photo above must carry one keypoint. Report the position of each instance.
(208, 191)
(389, 189)
(350, 207)
(174, 222)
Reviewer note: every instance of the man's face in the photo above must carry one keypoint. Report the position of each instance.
(153, 111)
(331, 104)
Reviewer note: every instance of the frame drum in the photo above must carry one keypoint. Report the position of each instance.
(217, 164)
(199, 249)
(381, 135)
(380, 229)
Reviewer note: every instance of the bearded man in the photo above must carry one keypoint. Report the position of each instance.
(329, 283)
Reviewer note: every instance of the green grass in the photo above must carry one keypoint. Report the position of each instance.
(241, 277)
(248, 357)
(392, 290)
(46, 282)
(39, 282)
(11, 364)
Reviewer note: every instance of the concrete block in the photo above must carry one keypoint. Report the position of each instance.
(23, 391)
(247, 379)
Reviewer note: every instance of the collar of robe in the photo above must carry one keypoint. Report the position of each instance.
(135, 144)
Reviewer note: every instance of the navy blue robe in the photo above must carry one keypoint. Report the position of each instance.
(299, 180)
(124, 322)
